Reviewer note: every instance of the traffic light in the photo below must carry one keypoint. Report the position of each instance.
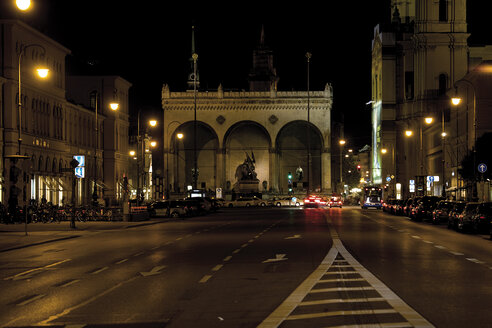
(289, 176)
(358, 168)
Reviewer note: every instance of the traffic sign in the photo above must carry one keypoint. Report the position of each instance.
(482, 168)
(388, 179)
(430, 178)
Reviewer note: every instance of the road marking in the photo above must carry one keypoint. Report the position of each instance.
(416, 237)
(244, 245)
(474, 260)
(92, 299)
(227, 258)
(179, 238)
(294, 237)
(138, 254)
(278, 258)
(283, 312)
(69, 283)
(155, 247)
(440, 247)
(339, 313)
(121, 261)
(339, 289)
(100, 270)
(428, 241)
(236, 251)
(205, 279)
(22, 274)
(251, 240)
(457, 253)
(217, 267)
(339, 300)
(154, 271)
(341, 280)
(30, 300)
(378, 325)
(341, 266)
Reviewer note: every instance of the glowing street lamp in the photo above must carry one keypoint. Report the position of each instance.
(132, 153)
(456, 101)
(408, 133)
(384, 151)
(23, 4)
(428, 120)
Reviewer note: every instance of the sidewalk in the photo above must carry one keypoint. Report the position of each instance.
(12, 236)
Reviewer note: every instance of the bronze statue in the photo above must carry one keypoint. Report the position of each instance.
(246, 171)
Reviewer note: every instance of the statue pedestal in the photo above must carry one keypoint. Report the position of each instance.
(246, 186)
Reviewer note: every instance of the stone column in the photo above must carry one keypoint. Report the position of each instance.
(273, 177)
(326, 170)
(220, 169)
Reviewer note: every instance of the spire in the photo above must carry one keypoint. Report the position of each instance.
(191, 76)
(263, 75)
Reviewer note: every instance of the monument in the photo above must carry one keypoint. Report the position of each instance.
(247, 182)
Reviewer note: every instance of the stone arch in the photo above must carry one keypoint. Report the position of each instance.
(291, 146)
(207, 145)
(247, 137)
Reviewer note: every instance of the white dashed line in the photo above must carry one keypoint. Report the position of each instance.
(205, 279)
(457, 253)
(227, 258)
(474, 260)
(440, 247)
(217, 267)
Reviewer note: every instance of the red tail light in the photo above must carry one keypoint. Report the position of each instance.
(482, 217)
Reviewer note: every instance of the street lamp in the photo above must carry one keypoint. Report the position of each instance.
(195, 164)
(113, 106)
(23, 4)
(342, 143)
(308, 57)
(456, 100)
(42, 73)
(141, 143)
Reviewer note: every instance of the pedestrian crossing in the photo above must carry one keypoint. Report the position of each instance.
(342, 293)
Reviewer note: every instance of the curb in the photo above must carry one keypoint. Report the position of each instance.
(38, 243)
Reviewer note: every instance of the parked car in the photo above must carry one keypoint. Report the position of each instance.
(425, 208)
(387, 204)
(246, 202)
(407, 206)
(284, 201)
(482, 218)
(413, 206)
(442, 210)
(198, 205)
(397, 208)
(168, 208)
(453, 215)
(465, 219)
(221, 202)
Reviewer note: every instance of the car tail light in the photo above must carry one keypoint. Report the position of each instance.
(482, 217)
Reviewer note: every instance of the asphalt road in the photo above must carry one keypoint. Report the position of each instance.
(264, 267)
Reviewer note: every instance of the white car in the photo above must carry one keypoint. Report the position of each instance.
(285, 201)
(246, 202)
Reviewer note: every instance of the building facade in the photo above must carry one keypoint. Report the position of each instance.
(419, 138)
(273, 128)
(55, 121)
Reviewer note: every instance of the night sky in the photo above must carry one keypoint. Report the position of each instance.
(149, 43)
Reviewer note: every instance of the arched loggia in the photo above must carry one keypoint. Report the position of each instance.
(183, 151)
(291, 146)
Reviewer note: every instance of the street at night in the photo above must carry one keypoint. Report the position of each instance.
(266, 267)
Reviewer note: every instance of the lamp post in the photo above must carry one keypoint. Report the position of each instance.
(141, 150)
(42, 72)
(342, 143)
(113, 106)
(308, 57)
(456, 100)
(195, 161)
